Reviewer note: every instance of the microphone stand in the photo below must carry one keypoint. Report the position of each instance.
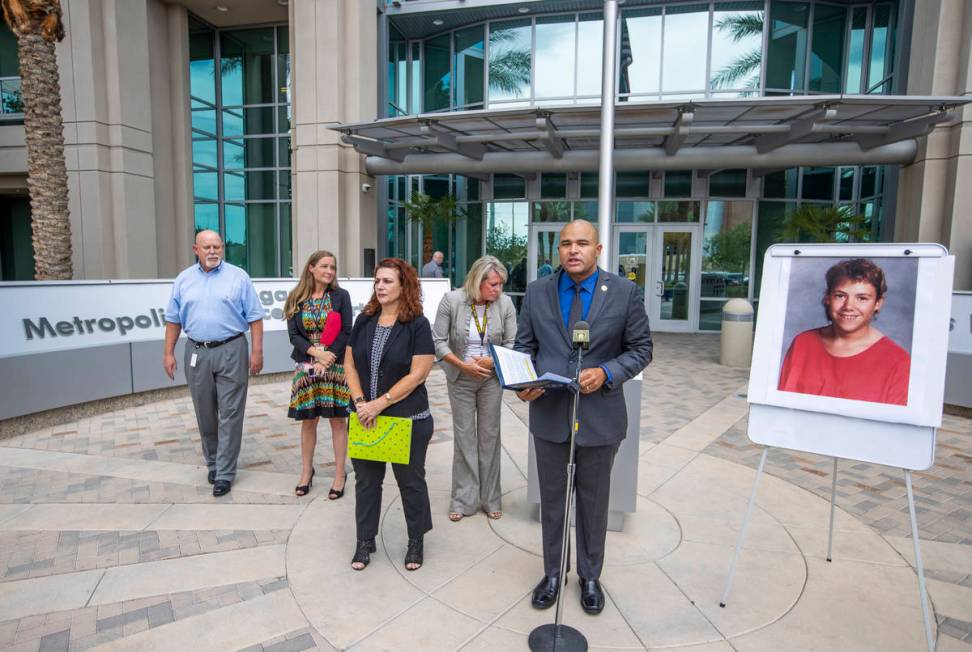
(557, 637)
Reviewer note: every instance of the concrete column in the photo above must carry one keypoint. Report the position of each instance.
(124, 83)
(932, 198)
(333, 49)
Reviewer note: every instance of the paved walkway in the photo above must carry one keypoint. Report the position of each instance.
(110, 539)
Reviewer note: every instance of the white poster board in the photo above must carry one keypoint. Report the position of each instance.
(881, 404)
(45, 316)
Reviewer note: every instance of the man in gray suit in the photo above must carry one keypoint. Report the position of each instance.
(620, 348)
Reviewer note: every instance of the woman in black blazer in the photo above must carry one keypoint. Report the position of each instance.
(387, 361)
(319, 324)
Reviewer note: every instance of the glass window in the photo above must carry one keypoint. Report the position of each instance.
(205, 185)
(782, 184)
(787, 45)
(553, 185)
(869, 185)
(437, 77)
(882, 49)
(246, 66)
(769, 230)
(685, 48)
(678, 183)
(204, 153)
(204, 121)
(726, 246)
(728, 183)
(827, 52)
(469, 240)
(10, 64)
(508, 186)
(240, 186)
(283, 65)
(855, 51)
(397, 74)
(249, 153)
(506, 238)
(469, 67)
(635, 211)
(206, 216)
(632, 184)
(590, 31)
(551, 211)
(679, 211)
(415, 90)
(555, 56)
(846, 184)
(589, 185)
(585, 210)
(509, 60)
(251, 237)
(710, 314)
(818, 183)
(11, 97)
(641, 70)
(202, 65)
(737, 46)
(633, 258)
(286, 241)
(249, 121)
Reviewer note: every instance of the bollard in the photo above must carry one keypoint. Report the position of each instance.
(737, 333)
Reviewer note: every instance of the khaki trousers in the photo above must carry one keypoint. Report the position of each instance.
(477, 449)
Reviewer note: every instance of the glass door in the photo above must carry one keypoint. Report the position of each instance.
(674, 266)
(542, 250)
(631, 255)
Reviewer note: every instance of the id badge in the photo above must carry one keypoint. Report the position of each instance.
(192, 360)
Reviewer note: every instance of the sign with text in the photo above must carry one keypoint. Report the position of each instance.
(44, 316)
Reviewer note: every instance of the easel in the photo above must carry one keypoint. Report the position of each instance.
(830, 541)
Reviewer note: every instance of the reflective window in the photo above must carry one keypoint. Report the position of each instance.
(678, 183)
(469, 66)
(241, 148)
(827, 53)
(554, 66)
(9, 63)
(553, 185)
(437, 74)
(679, 211)
(635, 211)
(882, 49)
(685, 48)
(506, 238)
(726, 247)
(632, 184)
(728, 183)
(782, 184)
(509, 60)
(590, 31)
(787, 46)
(589, 185)
(642, 33)
(737, 47)
(855, 51)
(818, 183)
(397, 74)
(551, 211)
(508, 186)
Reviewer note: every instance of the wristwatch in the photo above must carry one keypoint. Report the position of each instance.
(358, 399)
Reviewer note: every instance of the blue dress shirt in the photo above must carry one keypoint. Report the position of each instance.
(565, 290)
(215, 305)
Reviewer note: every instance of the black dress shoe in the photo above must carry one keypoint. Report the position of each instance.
(592, 597)
(362, 553)
(545, 593)
(221, 487)
(212, 477)
(414, 554)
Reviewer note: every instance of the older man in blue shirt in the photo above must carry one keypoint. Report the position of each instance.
(215, 303)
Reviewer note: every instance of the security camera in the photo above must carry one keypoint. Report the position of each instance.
(365, 187)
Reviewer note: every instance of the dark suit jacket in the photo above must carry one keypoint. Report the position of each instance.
(406, 340)
(341, 303)
(620, 340)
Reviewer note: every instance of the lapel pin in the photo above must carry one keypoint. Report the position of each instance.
(603, 288)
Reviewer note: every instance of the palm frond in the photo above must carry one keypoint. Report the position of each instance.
(509, 71)
(735, 70)
(741, 26)
(811, 223)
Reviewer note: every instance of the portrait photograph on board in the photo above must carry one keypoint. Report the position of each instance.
(849, 328)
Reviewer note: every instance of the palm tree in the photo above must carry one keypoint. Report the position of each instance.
(740, 27)
(509, 67)
(37, 26)
(431, 213)
(813, 223)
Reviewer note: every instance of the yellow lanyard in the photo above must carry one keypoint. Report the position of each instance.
(480, 328)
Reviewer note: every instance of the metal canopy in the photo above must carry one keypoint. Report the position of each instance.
(759, 133)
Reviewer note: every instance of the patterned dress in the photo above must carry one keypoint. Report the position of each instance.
(318, 395)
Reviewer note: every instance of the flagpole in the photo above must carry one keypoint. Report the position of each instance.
(605, 194)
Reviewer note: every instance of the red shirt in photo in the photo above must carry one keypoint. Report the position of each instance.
(878, 374)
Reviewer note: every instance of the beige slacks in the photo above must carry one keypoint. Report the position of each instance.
(477, 449)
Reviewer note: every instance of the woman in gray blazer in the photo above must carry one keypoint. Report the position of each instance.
(468, 321)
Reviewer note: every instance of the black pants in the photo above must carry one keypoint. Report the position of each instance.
(369, 475)
(592, 480)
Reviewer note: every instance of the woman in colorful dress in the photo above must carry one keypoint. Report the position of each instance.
(318, 316)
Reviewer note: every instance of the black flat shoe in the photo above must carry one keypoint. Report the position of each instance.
(545, 593)
(304, 489)
(592, 597)
(362, 554)
(414, 554)
(221, 487)
(211, 477)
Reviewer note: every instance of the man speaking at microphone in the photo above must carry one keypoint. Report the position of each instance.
(620, 347)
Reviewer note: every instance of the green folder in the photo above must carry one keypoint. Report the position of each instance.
(389, 440)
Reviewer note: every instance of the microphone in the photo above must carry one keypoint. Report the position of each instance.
(581, 336)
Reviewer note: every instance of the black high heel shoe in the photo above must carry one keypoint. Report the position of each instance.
(335, 493)
(362, 554)
(304, 489)
(414, 554)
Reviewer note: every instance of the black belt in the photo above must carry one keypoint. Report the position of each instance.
(215, 343)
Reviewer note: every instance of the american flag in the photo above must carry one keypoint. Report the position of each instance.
(626, 59)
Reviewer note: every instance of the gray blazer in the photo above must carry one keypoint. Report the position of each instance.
(620, 340)
(451, 328)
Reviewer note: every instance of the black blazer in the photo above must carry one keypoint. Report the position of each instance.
(341, 303)
(406, 339)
